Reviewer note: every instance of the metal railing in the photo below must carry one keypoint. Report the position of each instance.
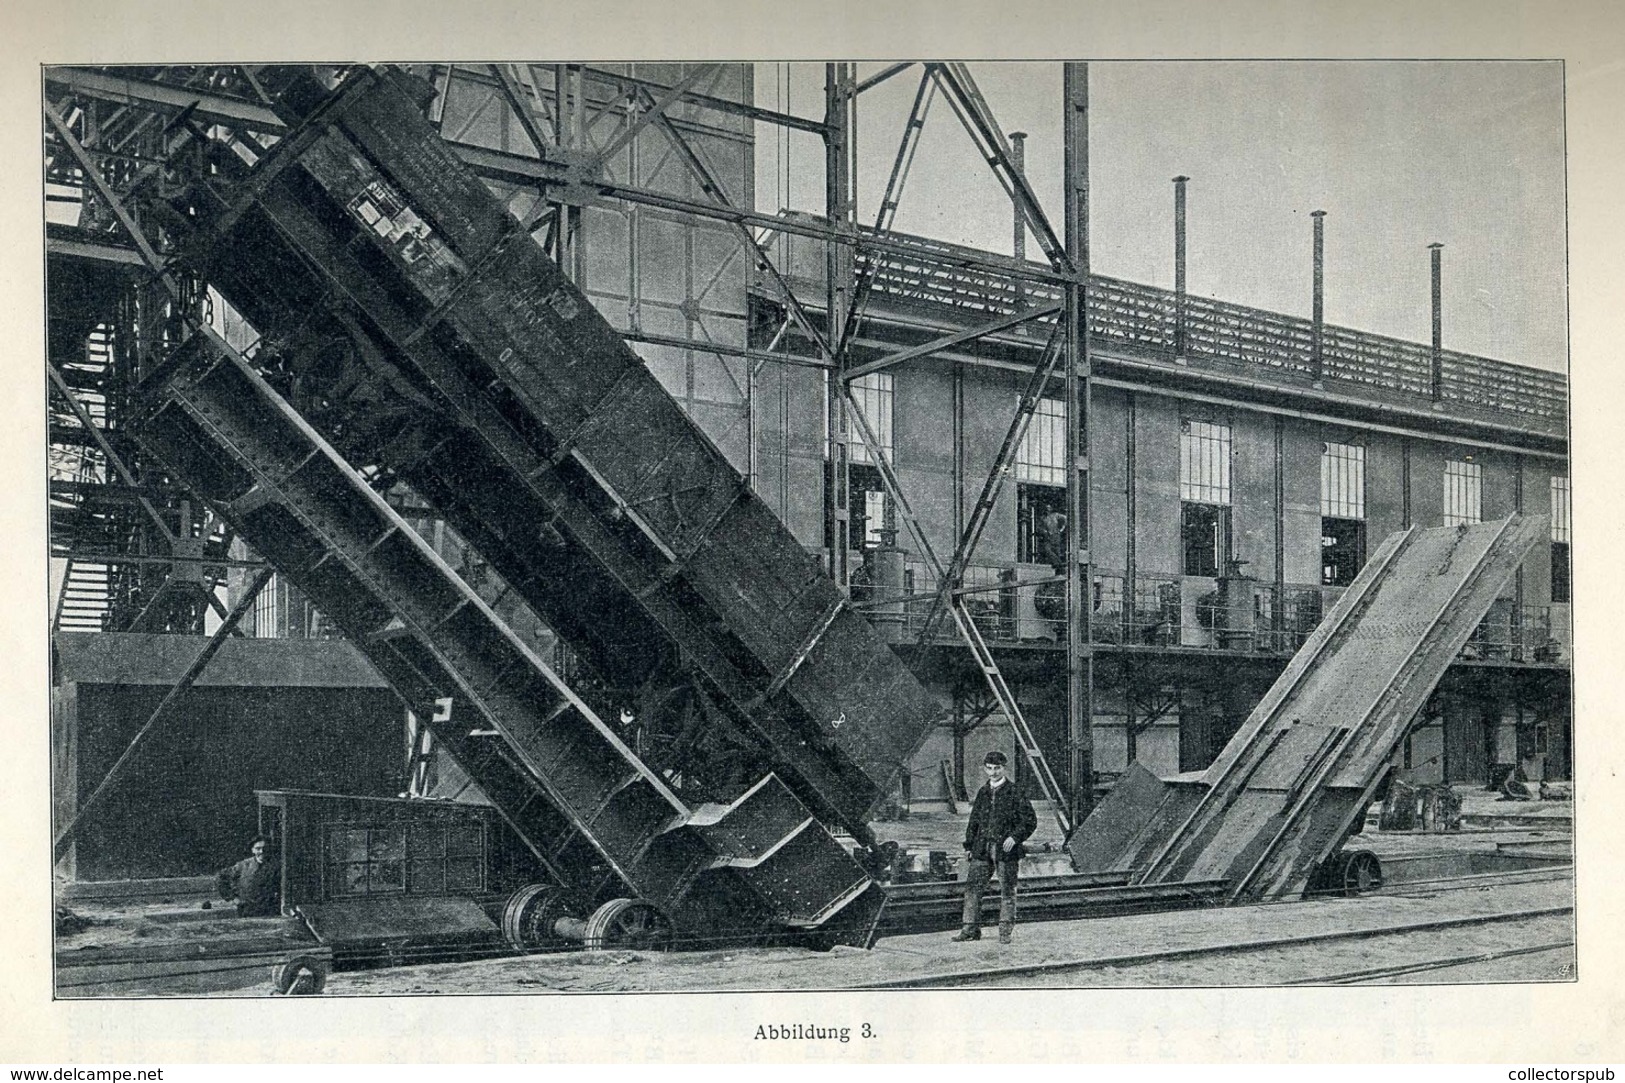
(1253, 341)
(1020, 605)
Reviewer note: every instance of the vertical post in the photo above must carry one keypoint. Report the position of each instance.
(1131, 739)
(1317, 341)
(838, 274)
(959, 739)
(1517, 652)
(1181, 303)
(1079, 570)
(1278, 610)
(1437, 251)
(1405, 482)
(1018, 247)
(1131, 457)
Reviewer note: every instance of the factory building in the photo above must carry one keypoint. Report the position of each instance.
(928, 421)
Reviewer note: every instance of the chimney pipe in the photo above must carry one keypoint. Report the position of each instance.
(1018, 159)
(1181, 314)
(1317, 343)
(1437, 251)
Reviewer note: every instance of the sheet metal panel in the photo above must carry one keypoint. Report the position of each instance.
(1290, 786)
(555, 771)
(387, 222)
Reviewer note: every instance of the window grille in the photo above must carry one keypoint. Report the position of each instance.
(267, 612)
(1463, 493)
(1560, 510)
(1204, 462)
(366, 861)
(1041, 457)
(874, 396)
(1342, 481)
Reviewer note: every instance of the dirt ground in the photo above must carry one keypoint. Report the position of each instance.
(1046, 954)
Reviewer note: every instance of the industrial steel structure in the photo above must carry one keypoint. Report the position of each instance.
(1101, 513)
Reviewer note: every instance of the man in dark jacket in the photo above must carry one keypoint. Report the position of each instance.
(1000, 821)
(252, 882)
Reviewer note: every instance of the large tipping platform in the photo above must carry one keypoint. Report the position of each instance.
(420, 328)
(603, 824)
(1295, 781)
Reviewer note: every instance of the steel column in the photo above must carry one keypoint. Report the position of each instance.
(1317, 341)
(839, 208)
(1181, 301)
(1436, 254)
(1018, 240)
(1131, 511)
(1079, 567)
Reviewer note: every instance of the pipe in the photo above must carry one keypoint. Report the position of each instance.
(1181, 305)
(1317, 342)
(1437, 252)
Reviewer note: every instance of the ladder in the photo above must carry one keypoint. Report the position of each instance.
(1007, 703)
(962, 619)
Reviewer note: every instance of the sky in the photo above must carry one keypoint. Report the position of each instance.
(1399, 154)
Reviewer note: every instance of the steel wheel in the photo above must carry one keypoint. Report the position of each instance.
(629, 924)
(528, 917)
(1362, 872)
(300, 975)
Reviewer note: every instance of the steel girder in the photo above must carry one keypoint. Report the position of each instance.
(593, 814)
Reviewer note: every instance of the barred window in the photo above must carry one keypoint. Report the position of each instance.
(1463, 493)
(366, 860)
(416, 859)
(874, 396)
(1204, 462)
(1562, 585)
(1042, 454)
(1560, 510)
(1342, 481)
(267, 618)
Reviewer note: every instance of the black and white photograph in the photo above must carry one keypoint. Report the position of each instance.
(824, 524)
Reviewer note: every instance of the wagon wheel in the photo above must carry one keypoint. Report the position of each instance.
(300, 975)
(528, 916)
(630, 924)
(1361, 872)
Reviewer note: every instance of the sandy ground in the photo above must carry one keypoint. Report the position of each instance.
(135, 924)
(1093, 952)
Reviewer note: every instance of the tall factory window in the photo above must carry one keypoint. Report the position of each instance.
(1204, 494)
(1041, 485)
(1562, 589)
(1463, 493)
(874, 395)
(1342, 513)
(867, 509)
(267, 610)
(1041, 457)
(867, 500)
(1041, 525)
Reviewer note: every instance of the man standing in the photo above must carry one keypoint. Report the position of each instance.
(252, 882)
(1000, 821)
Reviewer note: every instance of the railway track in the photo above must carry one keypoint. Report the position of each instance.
(1026, 972)
(1378, 973)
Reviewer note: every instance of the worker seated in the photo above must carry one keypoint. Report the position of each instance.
(252, 882)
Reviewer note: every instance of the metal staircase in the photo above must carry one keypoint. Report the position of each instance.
(85, 597)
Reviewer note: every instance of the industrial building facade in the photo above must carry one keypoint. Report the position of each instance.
(1241, 465)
